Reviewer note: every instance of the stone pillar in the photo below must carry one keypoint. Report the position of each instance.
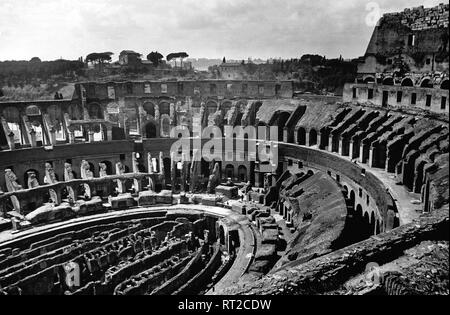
(341, 145)
(91, 135)
(53, 136)
(11, 143)
(361, 158)
(372, 156)
(71, 136)
(137, 184)
(351, 153)
(330, 143)
(33, 138)
(109, 133)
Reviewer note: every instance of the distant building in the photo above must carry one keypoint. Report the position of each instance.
(231, 71)
(129, 58)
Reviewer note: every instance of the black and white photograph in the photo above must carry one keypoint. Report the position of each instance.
(225, 155)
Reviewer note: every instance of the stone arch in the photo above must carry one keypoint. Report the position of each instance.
(368, 79)
(352, 198)
(407, 82)
(164, 108)
(229, 171)
(426, 83)
(95, 111)
(445, 85)
(312, 137)
(388, 81)
(109, 168)
(11, 114)
(211, 106)
(150, 108)
(225, 106)
(33, 110)
(242, 173)
(150, 130)
(26, 175)
(301, 136)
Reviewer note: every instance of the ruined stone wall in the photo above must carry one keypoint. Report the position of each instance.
(421, 18)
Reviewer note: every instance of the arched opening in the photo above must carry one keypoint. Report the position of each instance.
(369, 80)
(28, 176)
(352, 199)
(301, 136)
(345, 192)
(221, 235)
(150, 130)
(312, 137)
(229, 171)
(407, 82)
(149, 107)
(426, 83)
(37, 127)
(164, 108)
(92, 168)
(109, 170)
(12, 117)
(95, 111)
(388, 81)
(242, 173)
(445, 85)
(372, 223)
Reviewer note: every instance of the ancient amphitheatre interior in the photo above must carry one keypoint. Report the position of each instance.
(98, 203)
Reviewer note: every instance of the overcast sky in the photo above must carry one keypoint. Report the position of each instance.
(237, 29)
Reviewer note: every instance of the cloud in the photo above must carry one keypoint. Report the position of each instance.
(211, 28)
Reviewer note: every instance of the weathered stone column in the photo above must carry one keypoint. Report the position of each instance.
(91, 135)
(372, 156)
(53, 136)
(71, 136)
(330, 142)
(351, 150)
(109, 133)
(33, 138)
